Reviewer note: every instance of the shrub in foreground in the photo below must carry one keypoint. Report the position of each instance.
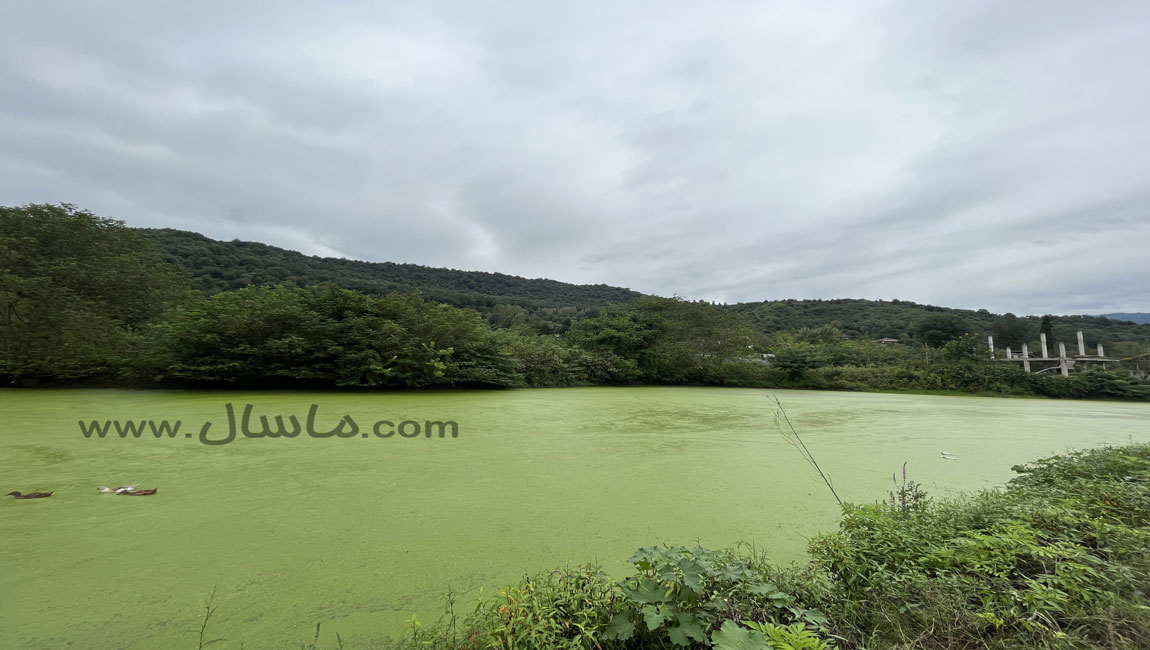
(1059, 558)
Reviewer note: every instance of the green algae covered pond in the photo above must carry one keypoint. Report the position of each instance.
(361, 532)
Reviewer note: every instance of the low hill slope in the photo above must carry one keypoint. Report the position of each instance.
(876, 319)
(220, 266)
(1134, 317)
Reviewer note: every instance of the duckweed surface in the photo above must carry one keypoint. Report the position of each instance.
(361, 533)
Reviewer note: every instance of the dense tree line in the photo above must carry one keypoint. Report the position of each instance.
(223, 266)
(86, 300)
(74, 291)
(899, 319)
(549, 306)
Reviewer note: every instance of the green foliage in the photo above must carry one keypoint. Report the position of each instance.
(680, 593)
(813, 335)
(668, 340)
(1092, 383)
(553, 306)
(874, 319)
(546, 360)
(509, 316)
(1135, 359)
(939, 328)
(84, 299)
(796, 359)
(74, 288)
(768, 636)
(563, 610)
(1011, 331)
(1047, 327)
(219, 266)
(908, 498)
(967, 347)
(957, 368)
(1058, 559)
(328, 336)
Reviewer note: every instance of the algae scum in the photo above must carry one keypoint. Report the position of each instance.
(359, 533)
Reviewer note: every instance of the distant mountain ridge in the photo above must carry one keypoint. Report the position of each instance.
(1134, 317)
(226, 265)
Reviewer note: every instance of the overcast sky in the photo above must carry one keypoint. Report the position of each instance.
(970, 154)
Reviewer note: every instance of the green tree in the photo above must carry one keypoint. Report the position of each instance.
(508, 316)
(329, 336)
(967, 347)
(1011, 331)
(669, 340)
(1047, 328)
(936, 329)
(74, 289)
(796, 359)
(814, 335)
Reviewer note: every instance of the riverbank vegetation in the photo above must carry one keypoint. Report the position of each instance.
(85, 300)
(1059, 558)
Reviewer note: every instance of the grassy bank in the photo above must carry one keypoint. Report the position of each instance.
(1058, 558)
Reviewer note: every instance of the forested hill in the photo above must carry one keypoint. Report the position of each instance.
(874, 319)
(221, 266)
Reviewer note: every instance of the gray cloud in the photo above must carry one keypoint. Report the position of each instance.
(973, 154)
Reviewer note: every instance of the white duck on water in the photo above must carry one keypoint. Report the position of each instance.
(104, 489)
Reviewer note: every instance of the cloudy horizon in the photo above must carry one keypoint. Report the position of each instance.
(974, 155)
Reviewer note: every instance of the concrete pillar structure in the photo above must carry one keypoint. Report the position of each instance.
(1009, 354)
(1025, 358)
(1100, 352)
(990, 344)
(1081, 344)
(1045, 354)
(1062, 360)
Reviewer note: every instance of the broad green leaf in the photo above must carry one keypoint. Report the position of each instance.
(734, 573)
(647, 591)
(620, 628)
(688, 628)
(814, 616)
(655, 616)
(692, 575)
(643, 557)
(733, 637)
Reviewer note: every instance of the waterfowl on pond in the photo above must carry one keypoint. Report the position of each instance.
(31, 495)
(138, 493)
(104, 489)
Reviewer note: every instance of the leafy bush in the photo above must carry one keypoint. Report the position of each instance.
(562, 610)
(1060, 558)
(680, 594)
(767, 636)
